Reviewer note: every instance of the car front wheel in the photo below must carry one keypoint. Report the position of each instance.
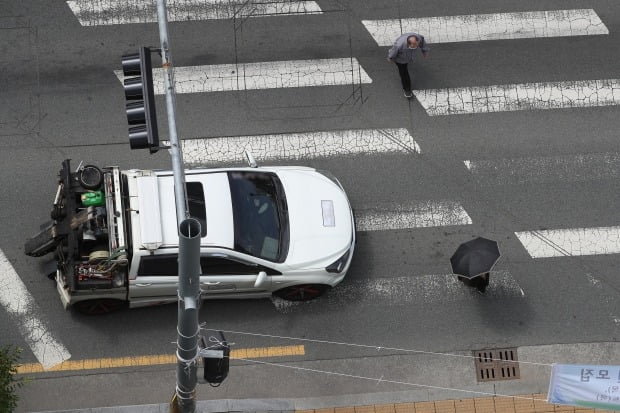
(303, 292)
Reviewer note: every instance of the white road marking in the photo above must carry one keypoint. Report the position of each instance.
(571, 242)
(526, 96)
(295, 146)
(568, 168)
(109, 12)
(407, 290)
(262, 75)
(497, 26)
(18, 302)
(420, 215)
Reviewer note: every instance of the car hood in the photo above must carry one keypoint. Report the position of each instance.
(320, 219)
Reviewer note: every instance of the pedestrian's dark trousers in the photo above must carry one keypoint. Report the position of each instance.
(404, 76)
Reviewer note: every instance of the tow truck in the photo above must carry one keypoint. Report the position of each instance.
(286, 231)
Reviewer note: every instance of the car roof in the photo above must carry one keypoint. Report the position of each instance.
(159, 226)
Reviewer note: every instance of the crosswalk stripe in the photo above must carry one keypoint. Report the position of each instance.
(110, 12)
(405, 216)
(407, 290)
(571, 242)
(496, 26)
(262, 75)
(18, 302)
(516, 97)
(294, 146)
(567, 168)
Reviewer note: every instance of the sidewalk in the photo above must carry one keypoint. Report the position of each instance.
(428, 384)
(528, 403)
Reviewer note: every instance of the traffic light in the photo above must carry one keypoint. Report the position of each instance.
(140, 108)
(216, 359)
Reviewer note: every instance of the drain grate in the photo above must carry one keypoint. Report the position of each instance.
(497, 364)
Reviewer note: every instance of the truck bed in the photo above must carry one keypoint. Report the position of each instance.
(87, 232)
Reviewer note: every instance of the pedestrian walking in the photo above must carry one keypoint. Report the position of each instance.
(403, 52)
(480, 282)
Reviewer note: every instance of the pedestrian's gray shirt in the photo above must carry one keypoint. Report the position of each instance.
(400, 51)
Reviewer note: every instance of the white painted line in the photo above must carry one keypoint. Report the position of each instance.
(496, 26)
(420, 215)
(295, 146)
(526, 96)
(571, 242)
(407, 290)
(262, 75)
(569, 168)
(18, 302)
(109, 12)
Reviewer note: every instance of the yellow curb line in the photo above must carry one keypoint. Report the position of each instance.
(137, 361)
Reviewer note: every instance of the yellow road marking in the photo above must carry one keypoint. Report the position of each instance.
(137, 361)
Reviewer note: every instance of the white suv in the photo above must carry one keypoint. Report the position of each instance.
(294, 224)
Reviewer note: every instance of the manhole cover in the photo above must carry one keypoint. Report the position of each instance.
(497, 364)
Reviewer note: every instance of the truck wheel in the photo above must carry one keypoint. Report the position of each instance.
(303, 292)
(100, 306)
(90, 177)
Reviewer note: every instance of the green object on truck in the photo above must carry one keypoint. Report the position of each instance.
(93, 198)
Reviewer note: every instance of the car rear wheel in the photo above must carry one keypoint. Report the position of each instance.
(303, 292)
(100, 306)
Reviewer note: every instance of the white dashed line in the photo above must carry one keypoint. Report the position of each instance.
(262, 75)
(568, 168)
(109, 12)
(571, 242)
(18, 302)
(515, 97)
(497, 26)
(295, 146)
(419, 215)
(407, 290)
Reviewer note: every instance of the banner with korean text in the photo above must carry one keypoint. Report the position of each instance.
(595, 387)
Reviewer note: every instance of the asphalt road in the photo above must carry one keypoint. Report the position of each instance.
(534, 170)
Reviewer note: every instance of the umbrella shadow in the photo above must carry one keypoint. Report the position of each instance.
(502, 306)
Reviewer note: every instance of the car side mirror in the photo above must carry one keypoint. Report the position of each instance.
(250, 158)
(261, 280)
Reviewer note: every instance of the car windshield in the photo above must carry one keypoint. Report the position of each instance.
(260, 214)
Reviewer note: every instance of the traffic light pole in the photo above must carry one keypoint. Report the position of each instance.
(175, 148)
(188, 330)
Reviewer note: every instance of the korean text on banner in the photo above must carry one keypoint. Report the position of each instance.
(584, 385)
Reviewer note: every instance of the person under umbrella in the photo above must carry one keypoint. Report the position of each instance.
(480, 282)
(473, 260)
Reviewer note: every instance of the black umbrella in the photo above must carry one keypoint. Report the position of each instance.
(475, 257)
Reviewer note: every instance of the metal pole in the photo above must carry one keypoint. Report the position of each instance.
(175, 147)
(188, 330)
(189, 304)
